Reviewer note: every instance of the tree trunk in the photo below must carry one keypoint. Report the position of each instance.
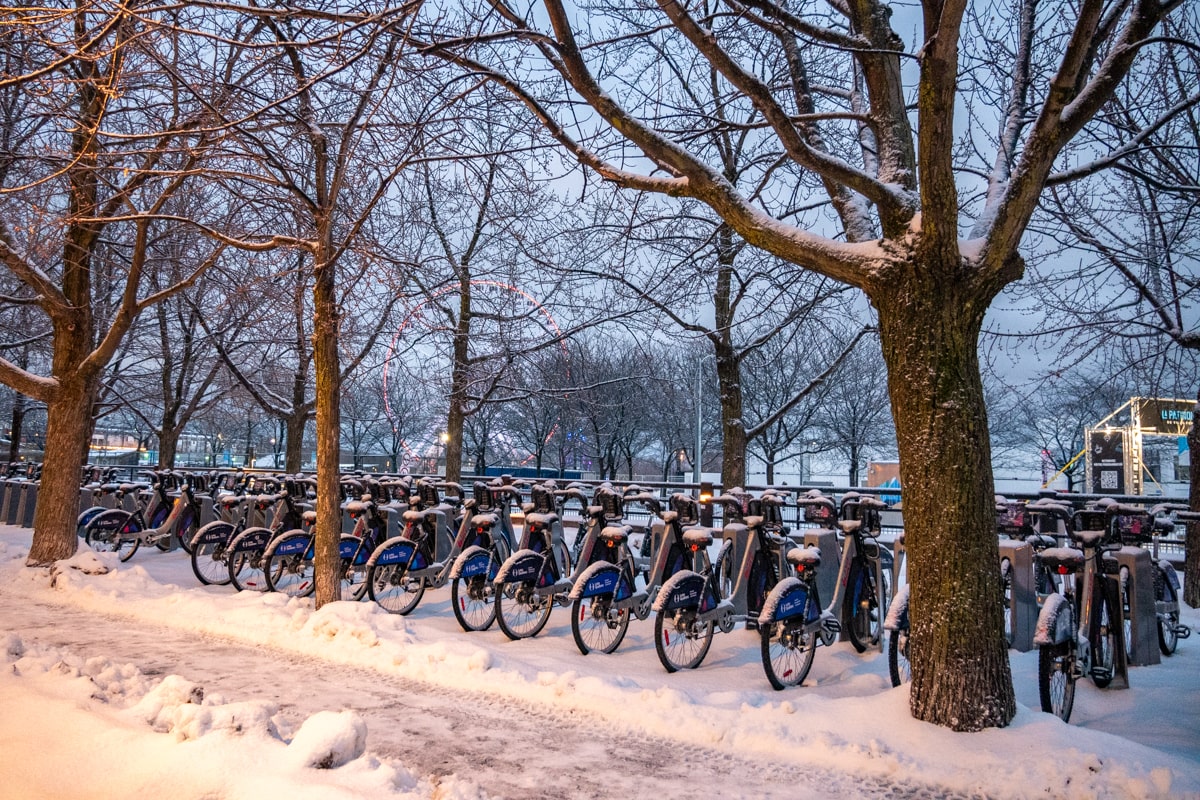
(68, 426)
(327, 371)
(18, 419)
(853, 464)
(294, 447)
(929, 329)
(452, 447)
(1191, 559)
(168, 445)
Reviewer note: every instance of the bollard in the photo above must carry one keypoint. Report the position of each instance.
(6, 498)
(739, 534)
(208, 510)
(1022, 601)
(12, 499)
(1143, 620)
(826, 542)
(28, 505)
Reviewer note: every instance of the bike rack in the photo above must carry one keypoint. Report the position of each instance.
(1143, 650)
(826, 543)
(12, 493)
(1023, 605)
(739, 534)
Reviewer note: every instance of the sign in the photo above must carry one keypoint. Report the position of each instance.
(1166, 417)
(1107, 451)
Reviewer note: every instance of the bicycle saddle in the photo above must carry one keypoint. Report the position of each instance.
(1062, 559)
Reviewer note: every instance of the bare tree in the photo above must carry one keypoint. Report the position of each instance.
(897, 209)
(106, 138)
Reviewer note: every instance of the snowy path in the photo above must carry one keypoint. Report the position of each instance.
(511, 749)
(537, 719)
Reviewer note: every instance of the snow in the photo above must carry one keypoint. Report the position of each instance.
(198, 691)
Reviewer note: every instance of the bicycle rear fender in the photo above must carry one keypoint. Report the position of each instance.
(252, 539)
(212, 533)
(789, 599)
(474, 561)
(397, 550)
(1055, 622)
(601, 578)
(897, 616)
(685, 589)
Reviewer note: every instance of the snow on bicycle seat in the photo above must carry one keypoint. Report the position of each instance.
(484, 520)
(309, 517)
(670, 516)
(356, 507)
(615, 533)
(264, 500)
(109, 487)
(540, 519)
(850, 525)
(700, 537)
(229, 500)
(1089, 538)
(131, 487)
(413, 515)
(808, 557)
(1040, 540)
(1054, 558)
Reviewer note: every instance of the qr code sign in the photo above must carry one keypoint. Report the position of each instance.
(1108, 479)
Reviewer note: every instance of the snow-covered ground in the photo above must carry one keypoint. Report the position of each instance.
(138, 679)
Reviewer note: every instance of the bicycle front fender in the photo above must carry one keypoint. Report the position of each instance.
(472, 562)
(685, 589)
(521, 566)
(790, 598)
(601, 578)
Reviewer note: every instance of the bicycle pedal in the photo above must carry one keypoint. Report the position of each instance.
(1182, 631)
(751, 623)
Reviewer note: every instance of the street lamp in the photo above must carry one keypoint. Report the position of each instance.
(444, 437)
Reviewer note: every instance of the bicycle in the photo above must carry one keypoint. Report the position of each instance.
(429, 553)
(1138, 530)
(536, 577)
(246, 551)
(120, 531)
(1077, 632)
(1025, 522)
(605, 594)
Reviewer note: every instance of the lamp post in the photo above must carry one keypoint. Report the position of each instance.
(443, 437)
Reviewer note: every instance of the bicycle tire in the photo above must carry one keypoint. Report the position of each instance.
(1104, 648)
(787, 653)
(899, 666)
(247, 571)
(474, 602)
(683, 643)
(596, 626)
(1006, 581)
(1056, 679)
(1168, 638)
(521, 610)
(864, 613)
(105, 533)
(209, 559)
(290, 574)
(393, 589)
(354, 569)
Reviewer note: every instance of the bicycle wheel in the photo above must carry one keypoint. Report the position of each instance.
(160, 516)
(394, 589)
(596, 625)
(247, 567)
(113, 531)
(521, 610)
(680, 639)
(1104, 646)
(1056, 679)
(289, 570)
(189, 523)
(474, 602)
(1006, 579)
(209, 563)
(898, 664)
(1168, 637)
(354, 568)
(787, 653)
(862, 609)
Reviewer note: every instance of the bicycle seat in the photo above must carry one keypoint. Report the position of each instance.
(131, 487)
(356, 507)
(532, 518)
(309, 517)
(484, 520)
(109, 488)
(1062, 559)
(614, 534)
(1089, 538)
(697, 537)
(229, 500)
(850, 525)
(807, 557)
(1040, 541)
(413, 515)
(752, 521)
